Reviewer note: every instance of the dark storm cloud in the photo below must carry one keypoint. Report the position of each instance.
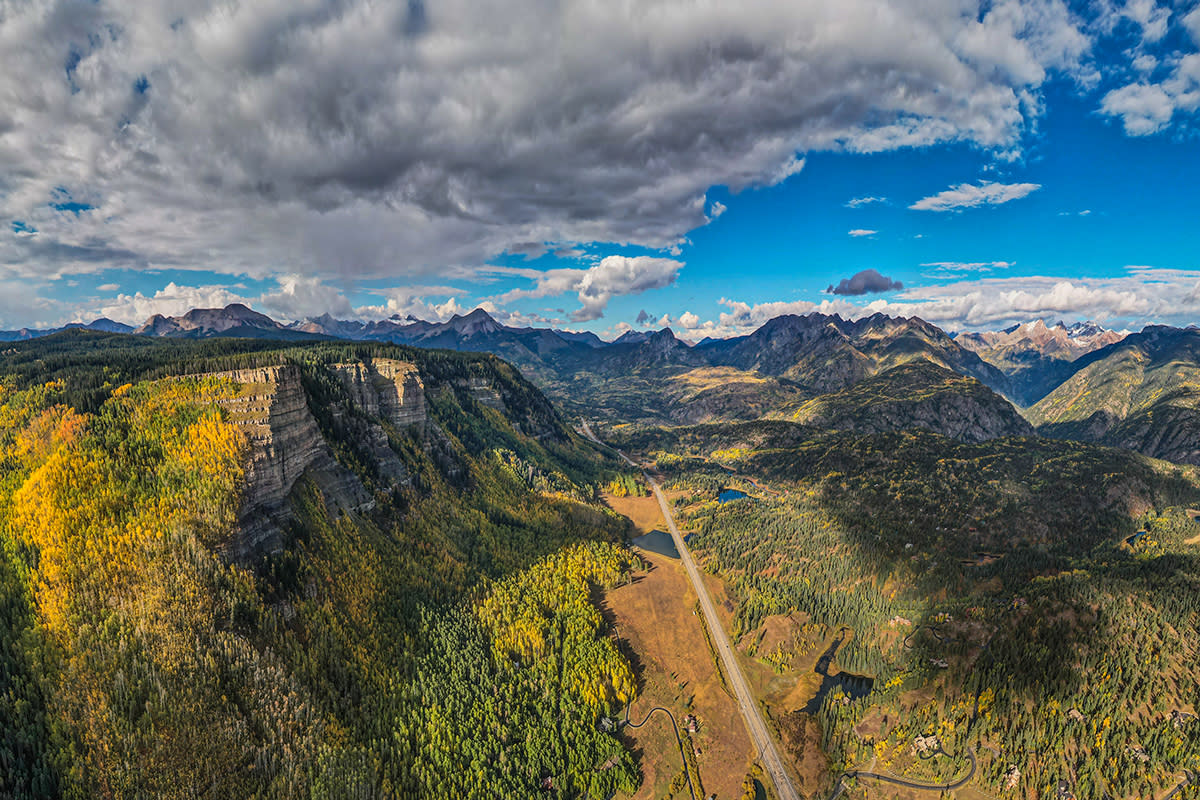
(394, 139)
(868, 281)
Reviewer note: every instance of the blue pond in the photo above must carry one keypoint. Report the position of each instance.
(730, 494)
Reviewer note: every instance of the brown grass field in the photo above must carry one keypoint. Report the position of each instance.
(665, 640)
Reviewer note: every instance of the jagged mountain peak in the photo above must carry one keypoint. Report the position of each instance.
(477, 322)
(210, 322)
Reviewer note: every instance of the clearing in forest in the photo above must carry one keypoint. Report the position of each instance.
(654, 618)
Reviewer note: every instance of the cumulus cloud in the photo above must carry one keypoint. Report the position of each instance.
(1141, 296)
(1147, 106)
(402, 139)
(1149, 16)
(968, 195)
(418, 302)
(303, 296)
(293, 298)
(1143, 108)
(644, 318)
(868, 281)
(859, 202)
(1191, 22)
(718, 208)
(598, 284)
(171, 300)
(860, 232)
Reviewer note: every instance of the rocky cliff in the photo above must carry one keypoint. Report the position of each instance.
(346, 426)
(386, 388)
(286, 442)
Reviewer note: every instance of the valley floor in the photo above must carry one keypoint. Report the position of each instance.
(654, 617)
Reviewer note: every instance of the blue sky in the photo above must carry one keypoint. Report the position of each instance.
(666, 162)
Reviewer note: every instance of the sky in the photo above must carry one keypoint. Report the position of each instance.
(602, 164)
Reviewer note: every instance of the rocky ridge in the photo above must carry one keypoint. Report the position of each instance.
(286, 442)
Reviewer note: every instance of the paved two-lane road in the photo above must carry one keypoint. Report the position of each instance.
(751, 713)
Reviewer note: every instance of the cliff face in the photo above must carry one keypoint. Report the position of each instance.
(286, 442)
(272, 410)
(360, 429)
(385, 388)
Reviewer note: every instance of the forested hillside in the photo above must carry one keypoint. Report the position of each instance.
(1032, 604)
(918, 394)
(436, 637)
(1142, 393)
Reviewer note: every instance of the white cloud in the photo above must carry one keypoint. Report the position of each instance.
(598, 284)
(859, 202)
(1191, 21)
(718, 208)
(171, 300)
(1149, 16)
(389, 140)
(1143, 295)
(108, 287)
(1143, 108)
(299, 297)
(416, 302)
(968, 195)
(860, 232)
(1147, 108)
(1145, 63)
(942, 269)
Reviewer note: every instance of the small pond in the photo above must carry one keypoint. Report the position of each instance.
(657, 542)
(728, 494)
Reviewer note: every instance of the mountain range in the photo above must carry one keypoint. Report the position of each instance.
(1080, 381)
(1141, 393)
(271, 561)
(1037, 357)
(103, 324)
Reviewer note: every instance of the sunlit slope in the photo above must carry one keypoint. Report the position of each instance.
(915, 395)
(1142, 393)
(414, 619)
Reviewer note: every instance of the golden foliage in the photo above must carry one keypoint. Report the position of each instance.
(544, 616)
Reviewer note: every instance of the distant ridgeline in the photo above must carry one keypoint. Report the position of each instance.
(874, 374)
(242, 568)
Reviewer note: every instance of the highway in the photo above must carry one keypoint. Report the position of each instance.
(751, 713)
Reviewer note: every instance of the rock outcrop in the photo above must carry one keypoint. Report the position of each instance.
(284, 438)
(350, 429)
(285, 444)
(385, 388)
